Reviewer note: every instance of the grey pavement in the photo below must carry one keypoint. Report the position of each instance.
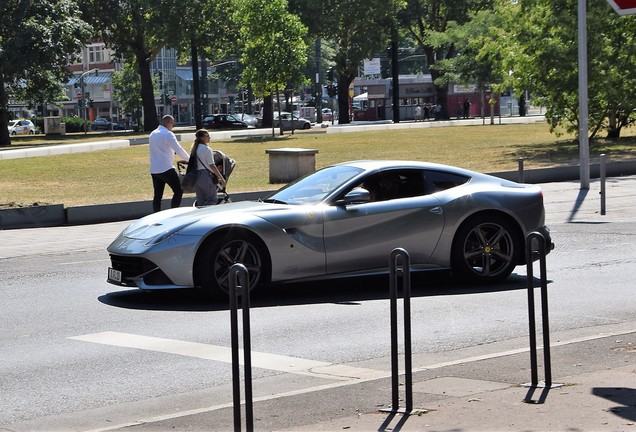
(594, 372)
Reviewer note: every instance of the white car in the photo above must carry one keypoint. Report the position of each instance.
(290, 121)
(21, 127)
(327, 113)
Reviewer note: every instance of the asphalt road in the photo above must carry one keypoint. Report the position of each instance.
(79, 354)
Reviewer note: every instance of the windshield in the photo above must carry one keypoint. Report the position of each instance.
(314, 187)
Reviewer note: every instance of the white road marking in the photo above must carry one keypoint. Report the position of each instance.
(224, 354)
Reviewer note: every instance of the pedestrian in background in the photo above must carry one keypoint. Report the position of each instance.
(208, 175)
(163, 148)
(418, 113)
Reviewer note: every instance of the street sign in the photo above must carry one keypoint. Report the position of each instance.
(623, 7)
(173, 99)
(78, 95)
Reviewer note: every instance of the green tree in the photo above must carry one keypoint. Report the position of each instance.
(138, 29)
(538, 45)
(127, 90)
(471, 64)
(358, 30)
(428, 21)
(274, 51)
(36, 37)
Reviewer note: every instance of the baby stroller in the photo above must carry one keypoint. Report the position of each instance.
(226, 166)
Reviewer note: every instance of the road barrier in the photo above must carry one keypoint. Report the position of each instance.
(239, 279)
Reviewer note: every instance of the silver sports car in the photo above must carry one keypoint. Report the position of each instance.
(342, 220)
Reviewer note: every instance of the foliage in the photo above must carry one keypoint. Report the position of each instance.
(359, 29)
(137, 29)
(538, 45)
(127, 90)
(76, 124)
(471, 65)
(428, 21)
(36, 38)
(274, 52)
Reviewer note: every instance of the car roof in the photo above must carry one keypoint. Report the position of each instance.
(371, 165)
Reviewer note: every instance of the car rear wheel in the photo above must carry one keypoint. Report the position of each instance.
(486, 249)
(231, 248)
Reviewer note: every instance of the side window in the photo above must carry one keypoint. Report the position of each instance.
(394, 184)
(437, 181)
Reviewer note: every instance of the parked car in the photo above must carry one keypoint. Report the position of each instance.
(339, 221)
(104, 123)
(290, 121)
(249, 119)
(21, 127)
(223, 121)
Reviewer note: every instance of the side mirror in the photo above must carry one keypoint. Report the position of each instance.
(356, 196)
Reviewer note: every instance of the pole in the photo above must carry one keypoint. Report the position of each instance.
(584, 151)
(395, 71)
(196, 88)
(318, 87)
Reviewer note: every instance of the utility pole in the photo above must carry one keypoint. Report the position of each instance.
(395, 71)
(318, 87)
(196, 88)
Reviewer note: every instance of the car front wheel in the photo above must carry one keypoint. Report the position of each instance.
(486, 249)
(232, 248)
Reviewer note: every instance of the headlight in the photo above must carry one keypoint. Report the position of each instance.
(167, 234)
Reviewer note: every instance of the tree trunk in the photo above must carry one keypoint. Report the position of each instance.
(268, 113)
(613, 130)
(344, 116)
(5, 139)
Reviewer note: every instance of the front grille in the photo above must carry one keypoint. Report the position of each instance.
(133, 267)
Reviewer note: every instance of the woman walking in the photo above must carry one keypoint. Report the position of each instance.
(208, 175)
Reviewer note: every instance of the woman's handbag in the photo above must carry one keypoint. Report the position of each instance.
(187, 179)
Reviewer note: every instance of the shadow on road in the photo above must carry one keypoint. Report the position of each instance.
(351, 291)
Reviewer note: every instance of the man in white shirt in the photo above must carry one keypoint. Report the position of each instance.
(163, 147)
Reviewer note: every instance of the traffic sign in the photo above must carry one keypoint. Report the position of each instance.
(623, 7)
(173, 99)
(78, 95)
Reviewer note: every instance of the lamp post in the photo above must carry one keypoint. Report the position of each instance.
(84, 98)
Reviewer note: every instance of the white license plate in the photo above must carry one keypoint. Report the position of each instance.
(114, 275)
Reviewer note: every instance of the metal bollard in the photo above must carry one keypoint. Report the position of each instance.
(603, 178)
(238, 273)
(520, 170)
(404, 271)
(544, 309)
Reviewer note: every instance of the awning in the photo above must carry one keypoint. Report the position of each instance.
(91, 78)
(185, 74)
(363, 96)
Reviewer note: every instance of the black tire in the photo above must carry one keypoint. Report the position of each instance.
(306, 126)
(485, 249)
(231, 248)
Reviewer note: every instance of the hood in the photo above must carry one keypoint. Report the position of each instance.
(168, 222)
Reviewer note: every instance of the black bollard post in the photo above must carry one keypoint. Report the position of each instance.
(239, 278)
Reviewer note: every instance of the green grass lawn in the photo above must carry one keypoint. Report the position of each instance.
(122, 175)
